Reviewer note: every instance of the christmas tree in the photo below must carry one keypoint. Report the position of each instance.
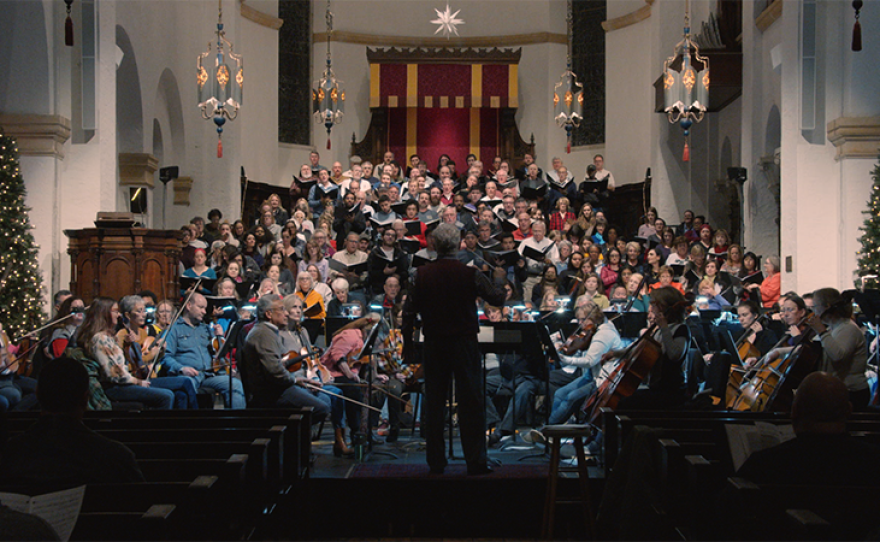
(869, 255)
(20, 280)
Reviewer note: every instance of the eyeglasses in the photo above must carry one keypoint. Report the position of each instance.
(788, 309)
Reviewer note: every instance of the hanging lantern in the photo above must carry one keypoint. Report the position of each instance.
(328, 96)
(221, 84)
(568, 95)
(686, 84)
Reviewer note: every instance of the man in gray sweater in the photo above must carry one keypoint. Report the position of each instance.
(268, 380)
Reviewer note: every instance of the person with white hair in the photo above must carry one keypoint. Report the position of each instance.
(444, 294)
(269, 382)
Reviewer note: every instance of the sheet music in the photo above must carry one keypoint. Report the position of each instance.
(60, 509)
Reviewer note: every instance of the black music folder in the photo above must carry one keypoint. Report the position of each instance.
(600, 186)
(413, 227)
(340, 267)
(534, 254)
(533, 191)
(509, 257)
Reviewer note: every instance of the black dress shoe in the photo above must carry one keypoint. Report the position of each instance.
(392, 435)
(480, 470)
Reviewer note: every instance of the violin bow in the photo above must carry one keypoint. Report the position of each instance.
(344, 398)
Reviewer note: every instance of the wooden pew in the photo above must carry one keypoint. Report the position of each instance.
(154, 523)
(777, 512)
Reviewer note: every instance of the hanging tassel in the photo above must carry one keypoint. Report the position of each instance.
(328, 143)
(857, 37)
(68, 26)
(857, 28)
(568, 147)
(219, 148)
(686, 157)
(68, 32)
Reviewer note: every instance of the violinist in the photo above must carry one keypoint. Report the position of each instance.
(189, 352)
(664, 386)
(270, 383)
(96, 337)
(844, 350)
(141, 352)
(389, 381)
(588, 362)
(62, 334)
(227, 314)
(14, 386)
(339, 357)
(164, 314)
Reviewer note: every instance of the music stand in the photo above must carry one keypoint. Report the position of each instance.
(550, 352)
(629, 324)
(228, 343)
(528, 336)
(367, 351)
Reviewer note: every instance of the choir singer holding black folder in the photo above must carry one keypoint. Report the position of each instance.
(444, 293)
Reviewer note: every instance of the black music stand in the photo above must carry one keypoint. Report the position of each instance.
(367, 350)
(501, 342)
(629, 324)
(549, 350)
(528, 336)
(229, 342)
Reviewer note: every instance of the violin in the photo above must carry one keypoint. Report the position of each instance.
(412, 373)
(580, 339)
(294, 360)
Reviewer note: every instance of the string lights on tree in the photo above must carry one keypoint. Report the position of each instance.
(869, 255)
(21, 282)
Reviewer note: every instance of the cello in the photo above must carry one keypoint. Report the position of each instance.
(745, 348)
(632, 369)
(770, 388)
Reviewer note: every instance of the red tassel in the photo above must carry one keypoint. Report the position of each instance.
(686, 157)
(219, 148)
(328, 143)
(68, 32)
(568, 147)
(857, 37)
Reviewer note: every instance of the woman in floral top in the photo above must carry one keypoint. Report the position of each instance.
(97, 337)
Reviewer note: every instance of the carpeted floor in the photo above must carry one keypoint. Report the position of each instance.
(390, 470)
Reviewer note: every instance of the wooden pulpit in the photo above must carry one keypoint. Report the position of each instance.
(115, 262)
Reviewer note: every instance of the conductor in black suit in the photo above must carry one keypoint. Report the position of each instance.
(444, 293)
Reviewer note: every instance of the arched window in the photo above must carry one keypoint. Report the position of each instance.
(588, 62)
(294, 67)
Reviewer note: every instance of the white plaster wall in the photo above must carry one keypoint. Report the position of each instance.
(539, 68)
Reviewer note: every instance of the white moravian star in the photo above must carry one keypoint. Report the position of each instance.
(447, 21)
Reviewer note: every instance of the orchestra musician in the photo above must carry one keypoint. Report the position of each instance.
(844, 349)
(97, 337)
(142, 351)
(444, 294)
(665, 380)
(588, 361)
(390, 379)
(62, 333)
(340, 359)
(189, 352)
(794, 312)
(270, 383)
(754, 339)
